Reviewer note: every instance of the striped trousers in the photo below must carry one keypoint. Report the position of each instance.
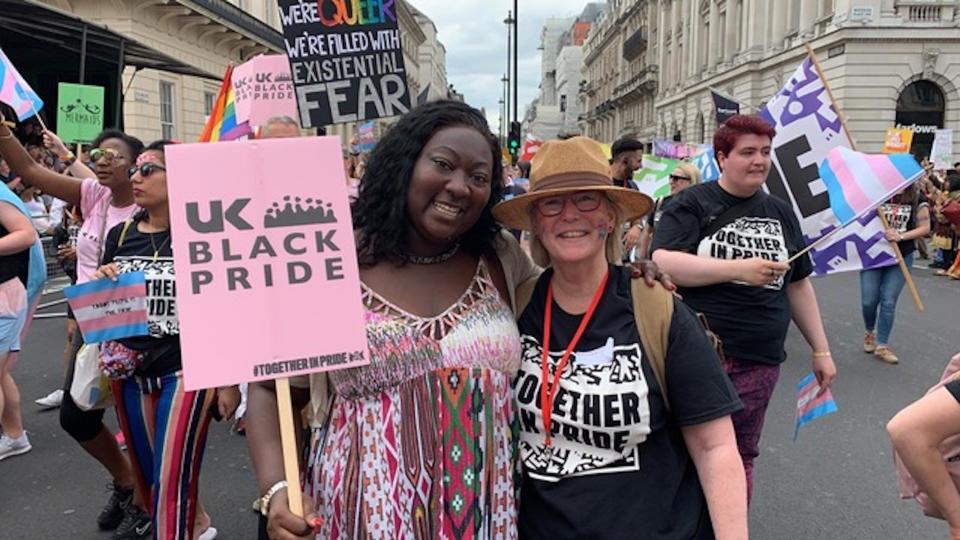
(166, 432)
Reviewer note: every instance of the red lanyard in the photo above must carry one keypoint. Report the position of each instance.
(549, 391)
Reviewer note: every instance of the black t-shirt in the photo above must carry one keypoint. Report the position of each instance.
(15, 265)
(162, 346)
(902, 218)
(751, 321)
(653, 218)
(619, 467)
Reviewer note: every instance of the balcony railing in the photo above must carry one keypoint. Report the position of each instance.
(925, 13)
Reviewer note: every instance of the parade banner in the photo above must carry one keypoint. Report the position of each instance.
(79, 112)
(15, 92)
(653, 178)
(263, 89)
(106, 309)
(346, 60)
(808, 127)
(676, 150)
(266, 269)
(897, 140)
(941, 155)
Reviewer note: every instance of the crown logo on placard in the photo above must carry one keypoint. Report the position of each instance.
(296, 211)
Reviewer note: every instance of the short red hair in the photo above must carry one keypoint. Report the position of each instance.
(730, 131)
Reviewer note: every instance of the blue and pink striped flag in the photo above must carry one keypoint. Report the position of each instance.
(858, 183)
(107, 309)
(15, 92)
(811, 406)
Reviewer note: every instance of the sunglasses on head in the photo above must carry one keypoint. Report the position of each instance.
(678, 178)
(146, 169)
(586, 201)
(108, 154)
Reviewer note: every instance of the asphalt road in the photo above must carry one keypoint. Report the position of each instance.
(835, 482)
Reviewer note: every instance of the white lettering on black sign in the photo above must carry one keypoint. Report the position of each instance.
(346, 60)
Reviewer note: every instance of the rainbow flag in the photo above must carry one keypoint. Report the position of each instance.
(811, 406)
(222, 124)
(15, 92)
(858, 183)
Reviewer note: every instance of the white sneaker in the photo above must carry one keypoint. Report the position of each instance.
(209, 534)
(14, 447)
(51, 400)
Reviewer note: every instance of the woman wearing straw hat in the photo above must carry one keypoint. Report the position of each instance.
(605, 455)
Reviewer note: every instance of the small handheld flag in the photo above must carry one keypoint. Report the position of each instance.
(107, 309)
(858, 183)
(15, 92)
(810, 406)
(223, 124)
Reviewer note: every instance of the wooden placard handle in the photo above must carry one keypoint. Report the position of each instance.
(288, 440)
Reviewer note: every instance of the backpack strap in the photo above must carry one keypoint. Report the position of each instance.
(653, 311)
(123, 232)
(524, 293)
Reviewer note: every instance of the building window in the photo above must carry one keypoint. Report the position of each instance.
(167, 126)
(563, 103)
(209, 99)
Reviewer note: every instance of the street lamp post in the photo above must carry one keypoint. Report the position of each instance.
(511, 38)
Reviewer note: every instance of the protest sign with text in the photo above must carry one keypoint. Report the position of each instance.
(267, 279)
(808, 127)
(345, 59)
(263, 89)
(79, 112)
(941, 155)
(107, 309)
(897, 140)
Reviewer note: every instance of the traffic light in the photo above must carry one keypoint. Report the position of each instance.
(513, 141)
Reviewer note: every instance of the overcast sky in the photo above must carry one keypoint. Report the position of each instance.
(476, 41)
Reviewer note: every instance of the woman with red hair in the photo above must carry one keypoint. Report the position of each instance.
(725, 244)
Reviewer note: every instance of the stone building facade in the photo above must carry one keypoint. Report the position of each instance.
(650, 64)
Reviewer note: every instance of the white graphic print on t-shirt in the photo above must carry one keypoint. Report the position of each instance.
(745, 238)
(600, 413)
(161, 292)
(898, 216)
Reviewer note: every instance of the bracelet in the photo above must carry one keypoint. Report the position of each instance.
(822, 354)
(67, 157)
(268, 496)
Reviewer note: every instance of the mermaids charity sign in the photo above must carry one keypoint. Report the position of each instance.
(345, 59)
(267, 279)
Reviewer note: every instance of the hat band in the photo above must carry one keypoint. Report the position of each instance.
(572, 180)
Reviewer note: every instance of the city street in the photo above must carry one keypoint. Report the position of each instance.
(836, 481)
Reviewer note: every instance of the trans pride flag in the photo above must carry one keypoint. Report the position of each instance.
(810, 406)
(858, 183)
(222, 124)
(107, 309)
(15, 92)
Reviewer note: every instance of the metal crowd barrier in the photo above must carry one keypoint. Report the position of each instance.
(56, 281)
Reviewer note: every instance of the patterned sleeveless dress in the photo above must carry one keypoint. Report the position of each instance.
(420, 442)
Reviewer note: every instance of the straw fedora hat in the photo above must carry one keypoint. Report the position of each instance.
(568, 166)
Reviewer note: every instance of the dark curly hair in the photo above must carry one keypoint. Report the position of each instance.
(133, 144)
(380, 211)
